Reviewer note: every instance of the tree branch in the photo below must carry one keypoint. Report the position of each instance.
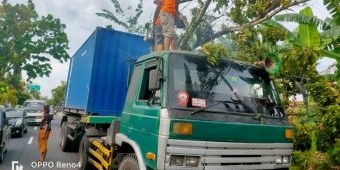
(193, 26)
(252, 23)
(184, 1)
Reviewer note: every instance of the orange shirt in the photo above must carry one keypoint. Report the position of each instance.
(169, 6)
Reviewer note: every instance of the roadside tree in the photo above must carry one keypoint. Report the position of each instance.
(29, 42)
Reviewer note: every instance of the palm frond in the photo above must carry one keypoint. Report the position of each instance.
(331, 54)
(309, 35)
(302, 19)
(333, 32)
(337, 74)
(333, 6)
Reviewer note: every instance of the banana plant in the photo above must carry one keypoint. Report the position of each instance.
(327, 40)
(7, 95)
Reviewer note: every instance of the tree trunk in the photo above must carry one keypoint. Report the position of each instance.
(198, 19)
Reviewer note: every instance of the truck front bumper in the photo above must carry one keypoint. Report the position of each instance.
(227, 155)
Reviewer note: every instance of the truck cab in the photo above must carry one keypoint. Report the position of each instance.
(5, 134)
(33, 109)
(183, 113)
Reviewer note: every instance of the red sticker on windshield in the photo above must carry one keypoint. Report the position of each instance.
(182, 98)
(199, 102)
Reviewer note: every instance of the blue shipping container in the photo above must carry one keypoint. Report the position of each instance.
(99, 71)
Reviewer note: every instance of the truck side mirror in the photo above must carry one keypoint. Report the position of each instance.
(155, 76)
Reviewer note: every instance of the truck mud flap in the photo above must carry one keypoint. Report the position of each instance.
(99, 155)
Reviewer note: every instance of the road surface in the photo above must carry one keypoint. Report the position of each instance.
(23, 152)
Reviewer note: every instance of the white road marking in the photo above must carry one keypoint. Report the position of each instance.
(30, 140)
(35, 128)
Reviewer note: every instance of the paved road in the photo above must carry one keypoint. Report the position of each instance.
(24, 150)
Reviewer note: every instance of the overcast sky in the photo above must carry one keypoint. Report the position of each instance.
(80, 20)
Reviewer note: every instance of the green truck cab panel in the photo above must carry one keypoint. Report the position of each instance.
(231, 132)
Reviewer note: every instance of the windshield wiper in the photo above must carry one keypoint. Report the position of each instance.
(225, 102)
(271, 109)
(14, 117)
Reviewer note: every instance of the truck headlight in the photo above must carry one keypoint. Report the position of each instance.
(181, 160)
(18, 123)
(192, 161)
(282, 159)
(286, 159)
(278, 160)
(176, 160)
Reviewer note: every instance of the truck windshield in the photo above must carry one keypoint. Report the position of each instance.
(230, 87)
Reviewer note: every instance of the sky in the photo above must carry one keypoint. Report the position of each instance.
(80, 19)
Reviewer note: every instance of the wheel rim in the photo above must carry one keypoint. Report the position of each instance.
(62, 138)
(81, 152)
(2, 154)
(129, 162)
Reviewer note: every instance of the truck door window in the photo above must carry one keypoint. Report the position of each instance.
(134, 82)
(145, 93)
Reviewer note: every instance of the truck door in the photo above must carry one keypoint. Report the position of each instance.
(140, 120)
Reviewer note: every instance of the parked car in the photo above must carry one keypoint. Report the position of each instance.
(17, 118)
(5, 134)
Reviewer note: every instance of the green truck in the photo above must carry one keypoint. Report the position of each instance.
(180, 113)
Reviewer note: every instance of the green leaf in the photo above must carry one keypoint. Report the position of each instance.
(333, 6)
(303, 19)
(333, 32)
(330, 54)
(309, 35)
(275, 24)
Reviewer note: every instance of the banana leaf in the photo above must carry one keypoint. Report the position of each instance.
(309, 35)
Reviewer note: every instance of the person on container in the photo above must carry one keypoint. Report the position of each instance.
(157, 28)
(157, 39)
(44, 132)
(167, 20)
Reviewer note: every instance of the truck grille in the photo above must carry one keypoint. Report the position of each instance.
(230, 155)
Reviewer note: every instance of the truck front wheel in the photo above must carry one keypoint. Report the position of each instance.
(65, 142)
(129, 162)
(83, 153)
(1, 154)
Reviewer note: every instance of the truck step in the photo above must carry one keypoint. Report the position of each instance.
(70, 137)
(71, 126)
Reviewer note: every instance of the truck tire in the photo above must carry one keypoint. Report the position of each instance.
(2, 153)
(65, 142)
(129, 162)
(21, 133)
(83, 154)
